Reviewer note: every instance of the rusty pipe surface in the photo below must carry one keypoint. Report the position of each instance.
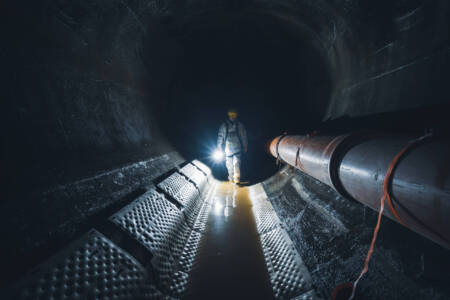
(355, 165)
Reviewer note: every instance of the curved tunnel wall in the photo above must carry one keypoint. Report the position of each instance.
(88, 87)
(81, 125)
(89, 82)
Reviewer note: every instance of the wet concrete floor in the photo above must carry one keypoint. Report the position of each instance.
(230, 263)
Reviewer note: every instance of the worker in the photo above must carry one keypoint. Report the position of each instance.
(232, 139)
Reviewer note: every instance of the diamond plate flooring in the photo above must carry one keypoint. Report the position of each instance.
(289, 276)
(92, 267)
(221, 242)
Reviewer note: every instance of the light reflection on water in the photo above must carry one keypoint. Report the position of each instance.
(231, 254)
(225, 205)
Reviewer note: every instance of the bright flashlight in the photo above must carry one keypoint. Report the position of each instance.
(217, 155)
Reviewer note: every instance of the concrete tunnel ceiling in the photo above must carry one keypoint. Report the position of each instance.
(349, 62)
(287, 66)
(103, 97)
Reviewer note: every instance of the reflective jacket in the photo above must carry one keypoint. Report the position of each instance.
(232, 136)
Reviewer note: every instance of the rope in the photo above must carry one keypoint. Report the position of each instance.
(386, 196)
(392, 166)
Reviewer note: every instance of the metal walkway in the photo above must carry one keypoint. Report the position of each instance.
(202, 239)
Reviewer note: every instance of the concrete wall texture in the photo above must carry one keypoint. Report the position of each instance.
(87, 98)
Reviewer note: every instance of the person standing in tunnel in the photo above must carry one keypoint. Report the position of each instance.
(232, 139)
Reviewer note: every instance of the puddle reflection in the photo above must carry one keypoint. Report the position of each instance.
(225, 205)
(230, 264)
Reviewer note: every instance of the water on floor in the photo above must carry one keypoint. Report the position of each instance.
(230, 264)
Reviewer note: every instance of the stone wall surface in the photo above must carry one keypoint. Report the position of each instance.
(332, 235)
(86, 102)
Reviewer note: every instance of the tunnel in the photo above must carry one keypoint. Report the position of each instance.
(111, 113)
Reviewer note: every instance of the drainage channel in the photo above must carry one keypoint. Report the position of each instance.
(230, 262)
(204, 239)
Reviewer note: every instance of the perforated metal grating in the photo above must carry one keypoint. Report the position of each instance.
(202, 218)
(194, 174)
(192, 211)
(265, 217)
(179, 188)
(151, 292)
(167, 233)
(167, 228)
(178, 283)
(170, 237)
(175, 262)
(288, 275)
(90, 268)
(137, 217)
(187, 258)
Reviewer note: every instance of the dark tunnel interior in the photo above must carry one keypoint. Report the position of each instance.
(255, 64)
(105, 100)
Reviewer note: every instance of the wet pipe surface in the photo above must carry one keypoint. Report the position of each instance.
(230, 263)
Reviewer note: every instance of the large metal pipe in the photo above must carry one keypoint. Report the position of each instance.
(356, 164)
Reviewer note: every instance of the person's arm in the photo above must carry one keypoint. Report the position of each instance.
(243, 134)
(221, 137)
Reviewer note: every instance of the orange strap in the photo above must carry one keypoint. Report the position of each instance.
(387, 181)
(386, 195)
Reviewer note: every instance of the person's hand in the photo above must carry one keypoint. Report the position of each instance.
(245, 149)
